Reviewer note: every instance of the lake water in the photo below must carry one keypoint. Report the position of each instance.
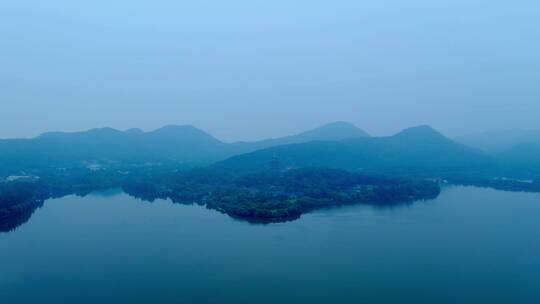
(470, 245)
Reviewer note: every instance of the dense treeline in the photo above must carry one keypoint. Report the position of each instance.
(268, 196)
(256, 197)
(14, 193)
(263, 196)
(18, 200)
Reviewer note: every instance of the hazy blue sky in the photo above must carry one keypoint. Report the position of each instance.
(252, 69)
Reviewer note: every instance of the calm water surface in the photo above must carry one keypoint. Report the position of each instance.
(470, 245)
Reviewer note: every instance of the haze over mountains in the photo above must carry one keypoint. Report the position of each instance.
(498, 142)
(333, 132)
(415, 149)
(517, 147)
(418, 150)
(182, 144)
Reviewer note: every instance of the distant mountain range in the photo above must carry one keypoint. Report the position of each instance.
(333, 131)
(418, 150)
(185, 145)
(179, 143)
(524, 154)
(499, 142)
(518, 148)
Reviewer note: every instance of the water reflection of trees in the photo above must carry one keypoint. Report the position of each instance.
(12, 221)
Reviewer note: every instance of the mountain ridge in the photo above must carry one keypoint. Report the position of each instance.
(417, 148)
(184, 144)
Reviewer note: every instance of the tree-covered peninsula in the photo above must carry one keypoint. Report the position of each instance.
(266, 196)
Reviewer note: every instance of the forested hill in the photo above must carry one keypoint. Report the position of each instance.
(331, 132)
(414, 150)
